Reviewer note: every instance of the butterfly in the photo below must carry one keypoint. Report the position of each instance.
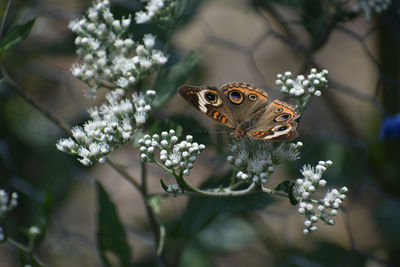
(245, 109)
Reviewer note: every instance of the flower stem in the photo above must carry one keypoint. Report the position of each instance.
(124, 174)
(158, 232)
(274, 192)
(27, 250)
(226, 192)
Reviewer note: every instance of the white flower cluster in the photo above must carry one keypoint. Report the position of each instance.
(255, 160)
(369, 6)
(156, 10)
(174, 189)
(7, 203)
(110, 127)
(177, 158)
(327, 206)
(106, 55)
(298, 87)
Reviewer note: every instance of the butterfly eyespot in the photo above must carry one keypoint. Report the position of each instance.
(282, 128)
(278, 110)
(283, 117)
(236, 97)
(211, 97)
(252, 97)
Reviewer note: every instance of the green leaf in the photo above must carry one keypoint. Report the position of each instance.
(157, 126)
(292, 198)
(15, 35)
(202, 210)
(285, 186)
(111, 235)
(168, 83)
(22, 258)
(323, 254)
(43, 217)
(180, 7)
(155, 202)
(163, 185)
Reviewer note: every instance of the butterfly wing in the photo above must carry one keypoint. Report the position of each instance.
(276, 123)
(246, 102)
(209, 101)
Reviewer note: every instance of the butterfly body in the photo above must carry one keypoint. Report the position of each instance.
(245, 109)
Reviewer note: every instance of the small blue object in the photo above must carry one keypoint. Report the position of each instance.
(390, 127)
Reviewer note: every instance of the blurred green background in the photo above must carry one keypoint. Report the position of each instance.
(243, 41)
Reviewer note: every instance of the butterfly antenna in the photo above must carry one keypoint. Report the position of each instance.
(216, 132)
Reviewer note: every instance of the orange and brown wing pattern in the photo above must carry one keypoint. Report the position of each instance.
(208, 100)
(277, 123)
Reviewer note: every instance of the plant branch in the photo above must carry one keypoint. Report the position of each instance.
(27, 250)
(152, 218)
(225, 193)
(125, 174)
(24, 94)
(274, 192)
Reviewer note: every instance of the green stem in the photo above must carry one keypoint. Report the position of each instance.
(162, 235)
(227, 191)
(124, 174)
(156, 229)
(27, 250)
(162, 167)
(283, 194)
(25, 95)
(274, 192)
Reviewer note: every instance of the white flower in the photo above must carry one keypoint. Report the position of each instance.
(145, 62)
(149, 40)
(122, 82)
(7, 204)
(140, 116)
(176, 155)
(159, 58)
(142, 17)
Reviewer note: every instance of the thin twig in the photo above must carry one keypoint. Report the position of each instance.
(25, 249)
(150, 214)
(125, 174)
(24, 94)
(348, 228)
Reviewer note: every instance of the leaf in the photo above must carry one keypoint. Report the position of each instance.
(44, 216)
(168, 83)
(163, 185)
(292, 198)
(22, 257)
(285, 186)
(157, 126)
(155, 202)
(180, 7)
(15, 35)
(111, 235)
(202, 210)
(323, 254)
